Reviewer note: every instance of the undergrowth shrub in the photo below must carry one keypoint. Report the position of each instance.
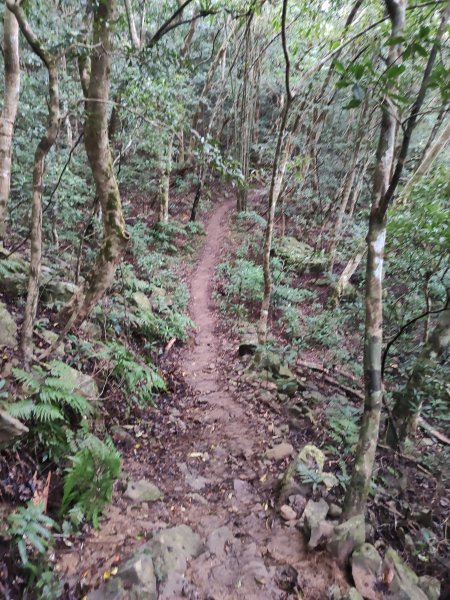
(89, 480)
(32, 532)
(51, 407)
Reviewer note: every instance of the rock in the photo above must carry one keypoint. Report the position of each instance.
(404, 584)
(366, 571)
(81, 383)
(287, 386)
(298, 503)
(135, 580)
(172, 548)
(320, 534)
(346, 537)
(143, 491)
(121, 436)
(314, 513)
(287, 513)
(55, 291)
(268, 361)
(50, 337)
(249, 342)
(8, 329)
(218, 539)
(293, 252)
(10, 428)
(141, 301)
(314, 398)
(12, 281)
(431, 586)
(352, 594)
(280, 451)
(335, 511)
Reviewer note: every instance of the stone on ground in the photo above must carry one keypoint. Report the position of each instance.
(143, 491)
(172, 548)
(288, 513)
(346, 537)
(8, 330)
(366, 571)
(10, 428)
(315, 512)
(280, 451)
(135, 579)
(405, 583)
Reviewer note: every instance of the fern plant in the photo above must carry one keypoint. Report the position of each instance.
(89, 481)
(32, 532)
(51, 407)
(139, 380)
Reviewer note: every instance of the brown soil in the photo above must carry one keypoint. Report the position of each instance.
(205, 451)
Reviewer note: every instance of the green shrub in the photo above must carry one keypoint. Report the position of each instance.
(89, 480)
(51, 408)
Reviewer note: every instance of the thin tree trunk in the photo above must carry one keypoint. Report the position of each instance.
(428, 160)
(165, 185)
(409, 401)
(358, 489)
(115, 237)
(45, 143)
(8, 116)
(346, 275)
(135, 40)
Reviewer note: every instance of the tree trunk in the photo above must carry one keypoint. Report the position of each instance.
(135, 40)
(115, 236)
(165, 185)
(409, 402)
(346, 275)
(45, 143)
(358, 489)
(8, 117)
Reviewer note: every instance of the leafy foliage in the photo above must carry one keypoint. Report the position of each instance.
(51, 406)
(89, 480)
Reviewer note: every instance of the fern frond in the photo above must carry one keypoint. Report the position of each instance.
(23, 409)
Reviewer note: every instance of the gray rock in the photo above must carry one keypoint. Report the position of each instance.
(143, 491)
(141, 301)
(280, 451)
(249, 342)
(8, 329)
(288, 513)
(82, 384)
(431, 586)
(346, 537)
(314, 513)
(55, 291)
(50, 337)
(366, 571)
(352, 594)
(135, 580)
(268, 361)
(218, 539)
(10, 428)
(121, 436)
(405, 583)
(335, 511)
(172, 548)
(320, 534)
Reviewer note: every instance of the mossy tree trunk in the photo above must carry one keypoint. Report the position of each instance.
(44, 146)
(164, 194)
(9, 111)
(115, 236)
(358, 489)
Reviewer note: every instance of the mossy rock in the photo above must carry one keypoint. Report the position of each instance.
(8, 330)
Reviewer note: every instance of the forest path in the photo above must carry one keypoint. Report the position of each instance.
(251, 554)
(204, 447)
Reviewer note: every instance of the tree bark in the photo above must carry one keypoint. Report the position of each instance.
(9, 112)
(135, 40)
(115, 236)
(409, 402)
(45, 144)
(165, 184)
(358, 489)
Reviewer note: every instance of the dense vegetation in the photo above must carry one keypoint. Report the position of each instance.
(122, 125)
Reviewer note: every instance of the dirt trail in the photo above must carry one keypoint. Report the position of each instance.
(252, 555)
(205, 451)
